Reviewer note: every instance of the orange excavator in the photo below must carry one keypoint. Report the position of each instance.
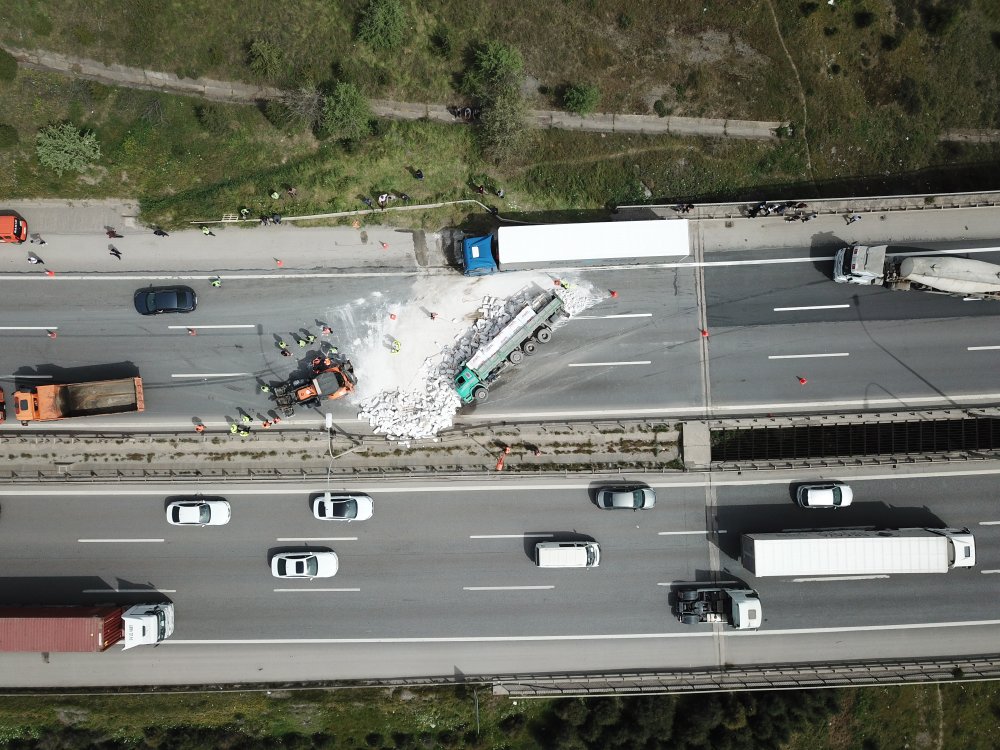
(329, 380)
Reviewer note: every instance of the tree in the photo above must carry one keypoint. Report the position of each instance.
(265, 60)
(581, 98)
(381, 24)
(8, 66)
(346, 113)
(65, 147)
(496, 70)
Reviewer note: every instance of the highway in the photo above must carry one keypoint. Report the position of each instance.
(443, 566)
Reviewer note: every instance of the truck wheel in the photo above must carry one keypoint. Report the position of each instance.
(688, 596)
(516, 357)
(544, 335)
(480, 393)
(530, 347)
(691, 619)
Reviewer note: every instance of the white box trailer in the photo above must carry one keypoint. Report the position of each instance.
(835, 552)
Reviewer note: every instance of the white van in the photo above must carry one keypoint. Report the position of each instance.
(567, 554)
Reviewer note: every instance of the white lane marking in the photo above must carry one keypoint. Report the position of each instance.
(987, 572)
(838, 578)
(680, 533)
(989, 523)
(611, 317)
(128, 591)
(506, 588)
(610, 364)
(209, 374)
(810, 307)
(202, 326)
(973, 299)
(808, 356)
(29, 328)
(981, 348)
(697, 584)
(32, 377)
(317, 539)
(510, 536)
(311, 591)
(115, 541)
(592, 637)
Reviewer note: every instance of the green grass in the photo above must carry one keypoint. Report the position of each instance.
(443, 717)
(921, 717)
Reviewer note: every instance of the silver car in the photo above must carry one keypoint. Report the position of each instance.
(305, 564)
(824, 495)
(627, 498)
(344, 506)
(199, 511)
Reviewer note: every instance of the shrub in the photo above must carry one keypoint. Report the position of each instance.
(381, 24)
(265, 60)
(624, 21)
(807, 9)
(937, 18)
(661, 108)
(40, 25)
(995, 38)
(908, 96)
(374, 739)
(863, 19)
(890, 42)
(581, 98)
(346, 113)
(212, 118)
(442, 41)
(8, 66)
(64, 147)
(8, 135)
(503, 126)
(830, 30)
(496, 70)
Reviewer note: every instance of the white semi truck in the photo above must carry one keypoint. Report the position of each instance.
(870, 265)
(738, 608)
(840, 552)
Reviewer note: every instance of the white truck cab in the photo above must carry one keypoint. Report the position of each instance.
(147, 624)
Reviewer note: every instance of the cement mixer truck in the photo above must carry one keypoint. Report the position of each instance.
(870, 265)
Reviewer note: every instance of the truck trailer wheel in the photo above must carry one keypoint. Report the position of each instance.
(544, 335)
(480, 393)
(688, 596)
(530, 347)
(690, 619)
(516, 357)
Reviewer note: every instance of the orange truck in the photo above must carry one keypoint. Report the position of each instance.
(13, 228)
(45, 403)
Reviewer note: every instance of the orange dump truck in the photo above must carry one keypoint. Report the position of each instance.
(13, 228)
(49, 402)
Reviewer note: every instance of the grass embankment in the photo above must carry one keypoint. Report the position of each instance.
(881, 80)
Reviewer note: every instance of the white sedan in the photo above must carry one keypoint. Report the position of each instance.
(199, 511)
(824, 495)
(346, 506)
(305, 564)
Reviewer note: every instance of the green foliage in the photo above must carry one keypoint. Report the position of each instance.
(995, 38)
(8, 66)
(381, 24)
(64, 147)
(503, 126)
(265, 60)
(40, 25)
(8, 135)
(212, 118)
(807, 9)
(346, 113)
(908, 96)
(937, 19)
(443, 41)
(660, 108)
(581, 98)
(863, 19)
(624, 21)
(497, 70)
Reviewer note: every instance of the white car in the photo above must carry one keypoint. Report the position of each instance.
(305, 565)
(824, 495)
(346, 506)
(199, 511)
(630, 498)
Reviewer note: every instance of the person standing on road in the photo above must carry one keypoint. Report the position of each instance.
(36, 237)
(207, 232)
(34, 259)
(112, 250)
(113, 234)
(160, 233)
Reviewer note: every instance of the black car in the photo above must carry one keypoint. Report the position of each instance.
(165, 299)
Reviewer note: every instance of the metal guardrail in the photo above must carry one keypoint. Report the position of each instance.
(764, 677)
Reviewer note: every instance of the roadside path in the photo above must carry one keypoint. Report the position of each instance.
(244, 93)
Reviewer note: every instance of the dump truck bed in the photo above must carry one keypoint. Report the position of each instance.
(88, 399)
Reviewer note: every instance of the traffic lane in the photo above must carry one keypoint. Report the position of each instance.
(878, 362)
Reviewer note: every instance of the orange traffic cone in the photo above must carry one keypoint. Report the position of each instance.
(500, 462)
(614, 294)
(802, 380)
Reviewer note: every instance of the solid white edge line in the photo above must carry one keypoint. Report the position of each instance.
(680, 533)
(808, 356)
(590, 637)
(210, 374)
(610, 364)
(311, 591)
(810, 307)
(33, 377)
(202, 325)
(987, 572)
(511, 536)
(104, 592)
(613, 317)
(506, 588)
(838, 578)
(981, 348)
(29, 328)
(124, 541)
(989, 523)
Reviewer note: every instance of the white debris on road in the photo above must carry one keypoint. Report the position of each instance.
(424, 401)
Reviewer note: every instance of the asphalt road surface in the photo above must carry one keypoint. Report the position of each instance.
(444, 571)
